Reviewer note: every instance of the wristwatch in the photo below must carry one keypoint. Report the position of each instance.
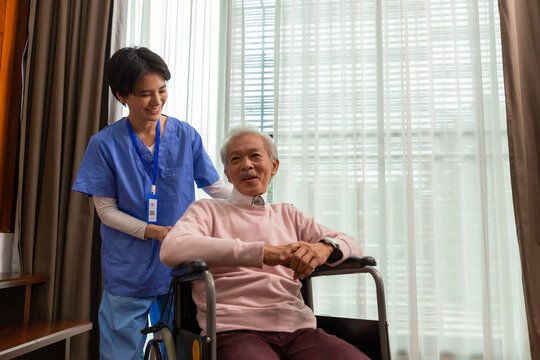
(336, 253)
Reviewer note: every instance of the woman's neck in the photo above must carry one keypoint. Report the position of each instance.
(146, 130)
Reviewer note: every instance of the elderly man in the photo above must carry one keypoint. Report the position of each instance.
(257, 251)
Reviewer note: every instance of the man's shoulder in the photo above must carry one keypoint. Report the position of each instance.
(210, 203)
(282, 206)
(287, 210)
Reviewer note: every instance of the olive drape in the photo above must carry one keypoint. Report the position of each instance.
(64, 103)
(520, 34)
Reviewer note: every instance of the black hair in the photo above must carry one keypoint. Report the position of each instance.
(128, 64)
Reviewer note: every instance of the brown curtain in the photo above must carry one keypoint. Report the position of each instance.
(520, 33)
(64, 103)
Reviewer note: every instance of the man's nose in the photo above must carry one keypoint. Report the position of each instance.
(246, 164)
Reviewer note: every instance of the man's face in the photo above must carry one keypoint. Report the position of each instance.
(249, 165)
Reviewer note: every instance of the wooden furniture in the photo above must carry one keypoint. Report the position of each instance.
(13, 34)
(24, 339)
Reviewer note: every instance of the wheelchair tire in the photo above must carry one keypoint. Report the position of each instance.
(152, 351)
(165, 336)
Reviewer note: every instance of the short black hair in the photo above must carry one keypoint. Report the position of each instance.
(128, 64)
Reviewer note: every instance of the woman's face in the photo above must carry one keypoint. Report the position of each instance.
(148, 98)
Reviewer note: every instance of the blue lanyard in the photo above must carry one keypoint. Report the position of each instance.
(156, 151)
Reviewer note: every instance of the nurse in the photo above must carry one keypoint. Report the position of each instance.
(141, 172)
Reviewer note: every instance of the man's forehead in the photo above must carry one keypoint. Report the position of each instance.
(250, 142)
(246, 147)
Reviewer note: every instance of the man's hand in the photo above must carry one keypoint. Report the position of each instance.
(303, 257)
(156, 232)
(271, 256)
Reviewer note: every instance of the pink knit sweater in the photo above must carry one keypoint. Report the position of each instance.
(230, 238)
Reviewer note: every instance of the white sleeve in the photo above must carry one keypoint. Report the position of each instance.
(219, 189)
(111, 216)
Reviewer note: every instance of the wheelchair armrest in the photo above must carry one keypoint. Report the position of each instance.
(350, 266)
(189, 270)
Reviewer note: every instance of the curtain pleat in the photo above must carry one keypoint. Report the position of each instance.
(64, 101)
(520, 36)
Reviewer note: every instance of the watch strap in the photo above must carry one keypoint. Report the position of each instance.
(336, 254)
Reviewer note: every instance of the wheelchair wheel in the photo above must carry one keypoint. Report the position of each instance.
(152, 351)
(164, 336)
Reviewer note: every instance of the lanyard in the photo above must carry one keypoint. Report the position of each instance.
(156, 151)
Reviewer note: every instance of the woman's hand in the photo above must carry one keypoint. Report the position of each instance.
(156, 232)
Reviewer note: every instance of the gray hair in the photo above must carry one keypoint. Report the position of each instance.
(240, 131)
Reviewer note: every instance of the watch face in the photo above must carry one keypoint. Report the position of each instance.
(336, 253)
(330, 242)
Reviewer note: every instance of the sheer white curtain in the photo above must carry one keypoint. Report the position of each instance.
(186, 35)
(389, 121)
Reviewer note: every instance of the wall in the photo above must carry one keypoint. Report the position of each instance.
(9, 255)
(13, 34)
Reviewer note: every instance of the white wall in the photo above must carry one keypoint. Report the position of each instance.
(9, 254)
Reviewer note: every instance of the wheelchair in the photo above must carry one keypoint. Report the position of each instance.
(185, 342)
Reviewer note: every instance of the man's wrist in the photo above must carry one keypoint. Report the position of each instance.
(328, 248)
(271, 255)
(336, 253)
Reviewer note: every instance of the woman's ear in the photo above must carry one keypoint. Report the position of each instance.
(121, 98)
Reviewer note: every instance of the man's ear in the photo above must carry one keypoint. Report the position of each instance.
(275, 166)
(227, 174)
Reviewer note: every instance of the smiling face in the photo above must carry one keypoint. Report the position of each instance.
(249, 167)
(149, 96)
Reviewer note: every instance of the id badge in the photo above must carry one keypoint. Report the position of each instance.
(151, 207)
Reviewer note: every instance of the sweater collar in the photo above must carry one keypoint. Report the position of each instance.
(237, 197)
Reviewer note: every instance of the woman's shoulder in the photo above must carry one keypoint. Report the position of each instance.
(180, 126)
(177, 123)
(109, 137)
(111, 130)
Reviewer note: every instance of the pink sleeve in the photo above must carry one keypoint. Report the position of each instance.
(190, 239)
(310, 231)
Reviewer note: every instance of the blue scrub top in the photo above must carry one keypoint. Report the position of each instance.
(112, 168)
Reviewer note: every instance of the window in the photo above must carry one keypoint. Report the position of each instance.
(186, 35)
(252, 75)
(390, 124)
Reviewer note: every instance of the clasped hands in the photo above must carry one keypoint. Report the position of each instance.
(301, 257)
